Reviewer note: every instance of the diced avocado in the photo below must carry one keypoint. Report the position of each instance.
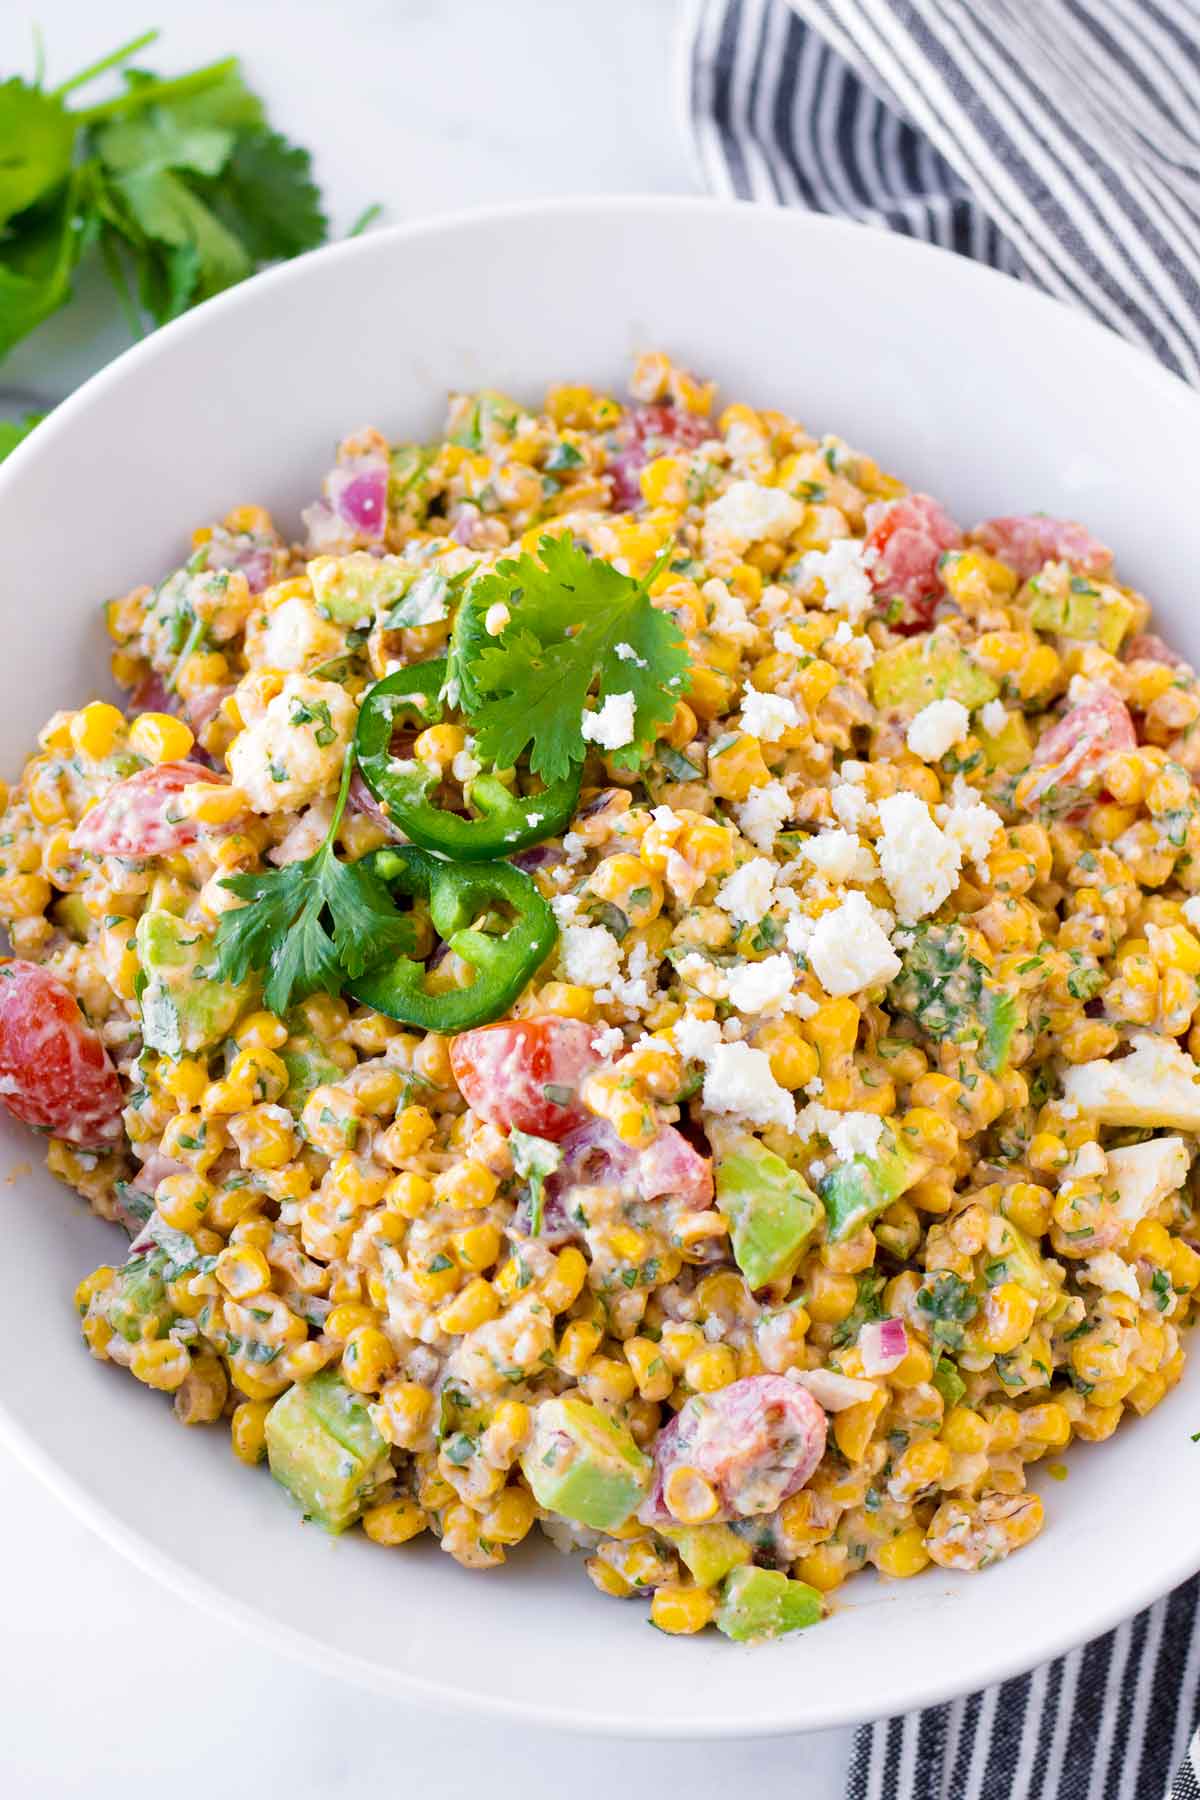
(308, 1067)
(583, 1465)
(493, 413)
(858, 1191)
(1014, 1257)
(709, 1552)
(138, 1299)
(763, 1603)
(184, 1007)
(409, 464)
(1011, 748)
(1078, 608)
(351, 589)
(324, 1449)
(72, 916)
(1156, 1084)
(772, 1211)
(935, 667)
(950, 995)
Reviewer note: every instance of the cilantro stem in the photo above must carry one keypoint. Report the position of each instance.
(366, 217)
(191, 642)
(339, 805)
(154, 91)
(99, 68)
(116, 273)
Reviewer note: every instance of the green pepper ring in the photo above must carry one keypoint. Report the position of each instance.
(509, 821)
(456, 895)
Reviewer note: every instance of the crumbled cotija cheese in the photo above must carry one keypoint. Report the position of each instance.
(591, 956)
(843, 571)
(768, 716)
(739, 1081)
(848, 951)
(920, 863)
(612, 726)
(937, 728)
(746, 894)
(762, 813)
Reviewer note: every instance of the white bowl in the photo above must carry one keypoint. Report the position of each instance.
(990, 396)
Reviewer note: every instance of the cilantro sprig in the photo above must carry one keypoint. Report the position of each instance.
(313, 925)
(576, 624)
(178, 184)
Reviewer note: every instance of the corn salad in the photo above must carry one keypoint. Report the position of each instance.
(832, 1168)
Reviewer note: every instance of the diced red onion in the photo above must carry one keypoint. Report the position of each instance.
(883, 1345)
(829, 1389)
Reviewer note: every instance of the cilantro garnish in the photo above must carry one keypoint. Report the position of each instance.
(312, 925)
(533, 1159)
(526, 688)
(177, 183)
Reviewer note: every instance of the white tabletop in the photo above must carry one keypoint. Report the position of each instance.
(108, 1685)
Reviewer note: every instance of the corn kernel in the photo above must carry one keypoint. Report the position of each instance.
(160, 737)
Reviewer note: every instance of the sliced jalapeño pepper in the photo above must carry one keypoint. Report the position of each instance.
(458, 895)
(506, 821)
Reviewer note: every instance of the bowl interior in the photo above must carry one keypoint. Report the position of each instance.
(987, 395)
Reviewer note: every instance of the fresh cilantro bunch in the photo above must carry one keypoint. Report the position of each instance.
(179, 185)
(576, 625)
(311, 925)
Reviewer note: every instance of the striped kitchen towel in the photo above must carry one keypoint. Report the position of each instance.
(1059, 141)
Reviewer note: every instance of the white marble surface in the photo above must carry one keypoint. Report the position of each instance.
(108, 1685)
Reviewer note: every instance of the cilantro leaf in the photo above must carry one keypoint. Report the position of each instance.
(178, 181)
(266, 196)
(569, 615)
(37, 142)
(311, 925)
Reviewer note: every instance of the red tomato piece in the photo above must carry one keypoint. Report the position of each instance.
(1027, 540)
(909, 536)
(756, 1441)
(1071, 754)
(54, 1071)
(140, 816)
(647, 432)
(526, 1073)
(1147, 646)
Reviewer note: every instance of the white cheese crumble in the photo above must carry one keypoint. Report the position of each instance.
(294, 752)
(627, 653)
(1191, 912)
(1109, 1272)
(728, 612)
(747, 513)
(971, 823)
(612, 726)
(465, 766)
(496, 618)
(768, 716)
(590, 955)
(564, 907)
(993, 717)
(842, 569)
(696, 1039)
(574, 847)
(788, 644)
(849, 1134)
(920, 863)
(763, 812)
(851, 805)
(606, 1043)
(839, 855)
(708, 978)
(848, 950)
(746, 894)
(760, 986)
(936, 728)
(739, 1081)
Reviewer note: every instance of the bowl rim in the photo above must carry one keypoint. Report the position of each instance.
(918, 1689)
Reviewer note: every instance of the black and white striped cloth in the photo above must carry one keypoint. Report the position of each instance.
(1059, 141)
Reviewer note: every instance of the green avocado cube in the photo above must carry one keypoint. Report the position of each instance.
(308, 1067)
(708, 1552)
(322, 1446)
(763, 1603)
(858, 1191)
(932, 667)
(184, 1006)
(352, 589)
(1078, 608)
(772, 1211)
(137, 1305)
(583, 1465)
(1010, 748)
